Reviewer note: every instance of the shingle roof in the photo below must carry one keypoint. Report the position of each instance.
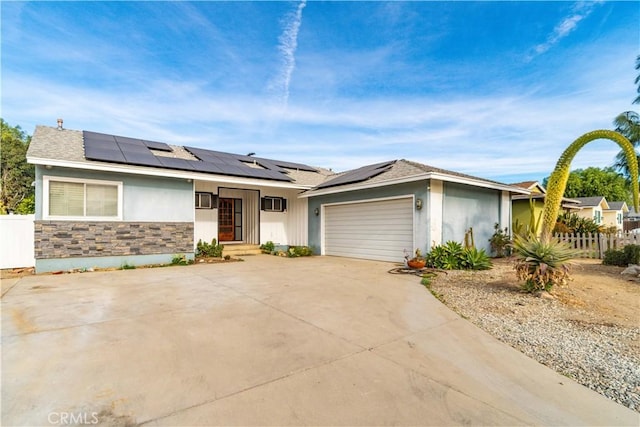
(405, 169)
(525, 184)
(616, 206)
(589, 201)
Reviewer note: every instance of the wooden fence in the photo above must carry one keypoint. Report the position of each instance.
(594, 245)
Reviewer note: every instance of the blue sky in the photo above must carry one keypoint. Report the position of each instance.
(493, 89)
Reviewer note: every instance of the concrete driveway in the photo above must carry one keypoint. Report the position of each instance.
(268, 341)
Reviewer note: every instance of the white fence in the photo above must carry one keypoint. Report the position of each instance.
(594, 245)
(16, 241)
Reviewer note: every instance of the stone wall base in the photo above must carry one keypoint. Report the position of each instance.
(71, 239)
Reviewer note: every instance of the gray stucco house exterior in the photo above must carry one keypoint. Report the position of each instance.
(105, 201)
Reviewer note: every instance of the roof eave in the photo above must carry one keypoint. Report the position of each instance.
(413, 178)
(165, 173)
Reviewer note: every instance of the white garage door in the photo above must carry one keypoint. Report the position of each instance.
(380, 230)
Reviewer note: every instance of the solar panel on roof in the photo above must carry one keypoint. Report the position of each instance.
(205, 166)
(174, 163)
(104, 154)
(160, 146)
(358, 175)
(119, 149)
(130, 148)
(142, 159)
(94, 136)
(132, 141)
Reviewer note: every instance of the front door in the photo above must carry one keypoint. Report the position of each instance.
(229, 220)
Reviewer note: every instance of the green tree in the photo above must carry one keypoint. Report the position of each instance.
(594, 181)
(16, 192)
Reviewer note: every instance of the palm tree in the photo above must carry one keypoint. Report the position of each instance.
(627, 124)
(637, 81)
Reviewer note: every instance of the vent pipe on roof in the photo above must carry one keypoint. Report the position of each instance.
(60, 124)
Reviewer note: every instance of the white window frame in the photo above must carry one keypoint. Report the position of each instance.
(45, 199)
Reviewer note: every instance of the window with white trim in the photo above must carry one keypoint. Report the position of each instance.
(72, 198)
(273, 204)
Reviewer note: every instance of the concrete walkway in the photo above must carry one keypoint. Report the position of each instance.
(268, 341)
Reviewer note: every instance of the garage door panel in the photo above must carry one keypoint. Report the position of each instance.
(380, 230)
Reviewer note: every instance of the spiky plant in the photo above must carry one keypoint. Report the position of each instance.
(558, 179)
(541, 263)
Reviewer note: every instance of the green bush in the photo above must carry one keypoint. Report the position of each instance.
(572, 223)
(268, 248)
(180, 260)
(209, 250)
(614, 257)
(452, 256)
(298, 251)
(630, 254)
(542, 263)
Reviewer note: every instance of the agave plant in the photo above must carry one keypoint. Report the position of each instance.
(475, 259)
(542, 263)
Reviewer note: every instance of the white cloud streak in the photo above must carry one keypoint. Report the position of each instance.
(580, 11)
(288, 43)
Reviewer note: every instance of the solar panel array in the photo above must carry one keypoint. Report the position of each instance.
(358, 175)
(131, 151)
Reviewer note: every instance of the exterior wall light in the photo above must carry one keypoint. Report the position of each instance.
(418, 204)
(316, 211)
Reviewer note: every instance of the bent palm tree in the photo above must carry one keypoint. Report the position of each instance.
(558, 179)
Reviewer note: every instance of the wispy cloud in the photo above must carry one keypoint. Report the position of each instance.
(579, 11)
(288, 43)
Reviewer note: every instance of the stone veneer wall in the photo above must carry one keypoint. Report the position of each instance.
(69, 239)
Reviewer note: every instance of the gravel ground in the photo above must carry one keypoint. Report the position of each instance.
(603, 356)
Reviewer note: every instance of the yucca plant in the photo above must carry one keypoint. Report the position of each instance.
(542, 263)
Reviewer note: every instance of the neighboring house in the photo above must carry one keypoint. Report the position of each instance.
(522, 205)
(614, 216)
(105, 201)
(592, 208)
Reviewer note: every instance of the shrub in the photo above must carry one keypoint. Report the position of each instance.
(542, 263)
(298, 251)
(180, 260)
(209, 250)
(499, 241)
(615, 257)
(572, 223)
(630, 254)
(268, 248)
(452, 256)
